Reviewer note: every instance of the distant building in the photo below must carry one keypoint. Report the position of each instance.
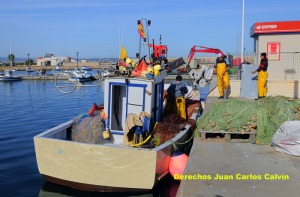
(51, 60)
(281, 41)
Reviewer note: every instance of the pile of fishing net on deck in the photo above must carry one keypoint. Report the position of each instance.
(168, 129)
(88, 129)
(263, 117)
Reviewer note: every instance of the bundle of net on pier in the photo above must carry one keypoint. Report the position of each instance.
(263, 117)
(88, 129)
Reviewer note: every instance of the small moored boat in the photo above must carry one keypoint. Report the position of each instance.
(86, 68)
(28, 69)
(81, 76)
(8, 76)
(57, 68)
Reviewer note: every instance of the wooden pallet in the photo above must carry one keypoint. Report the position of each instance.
(251, 136)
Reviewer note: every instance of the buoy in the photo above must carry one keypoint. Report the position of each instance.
(150, 70)
(156, 69)
(128, 61)
(177, 164)
(106, 134)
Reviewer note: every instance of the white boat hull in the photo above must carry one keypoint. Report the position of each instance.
(108, 167)
(113, 166)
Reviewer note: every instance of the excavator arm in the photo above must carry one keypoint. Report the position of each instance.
(201, 49)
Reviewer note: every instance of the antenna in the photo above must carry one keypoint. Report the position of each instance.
(242, 52)
(160, 39)
(121, 39)
(123, 32)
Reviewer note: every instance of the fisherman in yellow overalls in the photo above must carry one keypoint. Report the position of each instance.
(221, 68)
(177, 90)
(262, 76)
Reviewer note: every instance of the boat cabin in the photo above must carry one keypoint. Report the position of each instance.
(132, 95)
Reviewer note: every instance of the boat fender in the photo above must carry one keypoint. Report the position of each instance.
(202, 102)
(106, 134)
(177, 164)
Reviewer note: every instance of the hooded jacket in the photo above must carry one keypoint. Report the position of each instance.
(177, 89)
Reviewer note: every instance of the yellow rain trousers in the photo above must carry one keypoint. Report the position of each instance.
(223, 81)
(262, 83)
(180, 104)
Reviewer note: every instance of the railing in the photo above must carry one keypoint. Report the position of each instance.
(282, 66)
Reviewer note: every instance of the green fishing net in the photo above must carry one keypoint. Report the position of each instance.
(263, 116)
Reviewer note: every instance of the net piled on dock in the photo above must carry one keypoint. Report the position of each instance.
(264, 116)
(88, 129)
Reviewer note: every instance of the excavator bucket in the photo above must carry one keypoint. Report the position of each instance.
(176, 63)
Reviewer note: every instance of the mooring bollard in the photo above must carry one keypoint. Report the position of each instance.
(225, 94)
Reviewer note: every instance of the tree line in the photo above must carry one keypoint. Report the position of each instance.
(11, 61)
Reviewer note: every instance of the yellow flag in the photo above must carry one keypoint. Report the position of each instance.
(123, 53)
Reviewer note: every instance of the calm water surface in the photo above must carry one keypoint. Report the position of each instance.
(28, 108)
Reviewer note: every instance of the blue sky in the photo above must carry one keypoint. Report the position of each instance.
(92, 27)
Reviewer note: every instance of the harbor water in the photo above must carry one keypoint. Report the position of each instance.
(28, 108)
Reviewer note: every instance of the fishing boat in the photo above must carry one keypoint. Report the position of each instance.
(28, 69)
(86, 68)
(113, 166)
(8, 76)
(57, 68)
(107, 73)
(81, 76)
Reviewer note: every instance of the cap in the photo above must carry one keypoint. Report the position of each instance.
(219, 55)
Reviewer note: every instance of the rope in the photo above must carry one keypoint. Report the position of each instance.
(70, 84)
(143, 142)
(180, 143)
(239, 113)
(79, 120)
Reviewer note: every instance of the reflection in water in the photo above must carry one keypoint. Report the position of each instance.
(167, 188)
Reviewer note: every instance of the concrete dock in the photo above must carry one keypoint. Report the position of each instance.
(219, 168)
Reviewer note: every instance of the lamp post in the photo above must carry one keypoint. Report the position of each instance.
(77, 59)
(148, 23)
(242, 50)
(28, 59)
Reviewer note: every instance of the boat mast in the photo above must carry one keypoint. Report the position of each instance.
(10, 53)
(121, 41)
